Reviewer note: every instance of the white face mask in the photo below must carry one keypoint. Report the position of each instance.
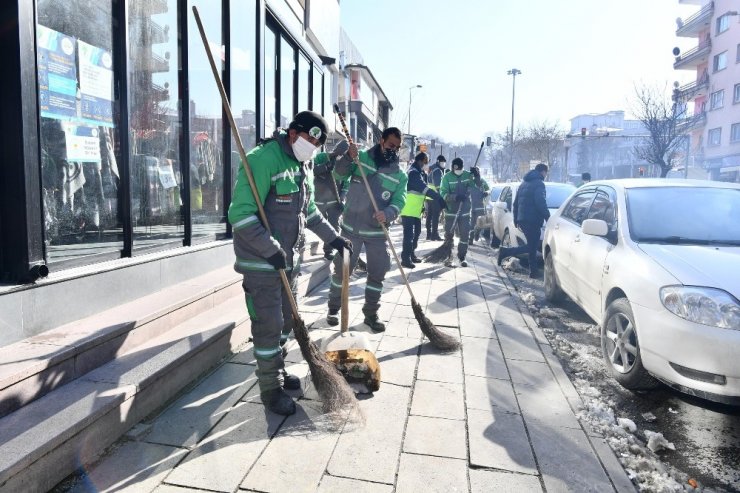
(458, 172)
(303, 150)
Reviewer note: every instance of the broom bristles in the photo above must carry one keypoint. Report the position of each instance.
(441, 253)
(337, 397)
(438, 339)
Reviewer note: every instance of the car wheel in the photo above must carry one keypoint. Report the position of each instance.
(495, 242)
(553, 292)
(621, 347)
(506, 240)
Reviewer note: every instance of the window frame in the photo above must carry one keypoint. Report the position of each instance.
(735, 133)
(715, 64)
(717, 102)
(736, 95)
(714, 131)
(720, 21)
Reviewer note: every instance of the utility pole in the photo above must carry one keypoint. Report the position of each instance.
(513, 72)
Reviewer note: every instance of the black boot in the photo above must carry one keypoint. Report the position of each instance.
(463, 263)
(290, 382)
(333, 317)
(277, 401)
(372, 321)
(502, 254)
(407, 263)
(416, 259)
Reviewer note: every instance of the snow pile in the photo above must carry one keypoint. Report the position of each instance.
(635, 449)
(529, 298)
(513, 264)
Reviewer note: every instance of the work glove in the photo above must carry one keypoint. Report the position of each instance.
(278, 260)
(340, 149)
(340, 244)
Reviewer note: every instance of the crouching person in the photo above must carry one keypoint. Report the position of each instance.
(280, 167)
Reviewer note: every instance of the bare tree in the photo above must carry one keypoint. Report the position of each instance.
(661, 116)
(543, 141)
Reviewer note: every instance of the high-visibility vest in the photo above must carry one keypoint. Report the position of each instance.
(414, 204)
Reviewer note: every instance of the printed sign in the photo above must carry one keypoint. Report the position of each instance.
(83, 143)
(96, 84)
(57, 74)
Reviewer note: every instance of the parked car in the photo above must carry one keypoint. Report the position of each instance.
(485, 223)
(503, 217)
(657, 264)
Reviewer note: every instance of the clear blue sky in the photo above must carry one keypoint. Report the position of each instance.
(576, 56)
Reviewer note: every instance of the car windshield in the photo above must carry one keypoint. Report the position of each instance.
(495, 192)
(556, 195)
(684, 215)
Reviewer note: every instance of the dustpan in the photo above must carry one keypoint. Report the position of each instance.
(351, 351)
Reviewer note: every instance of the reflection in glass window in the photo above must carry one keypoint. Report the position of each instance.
(79, 121)
(304, 88)
(578, 206)
(270, 77)
(318, 90)
(287, 73)
(243, 77)
(206, 129)
(155, 124)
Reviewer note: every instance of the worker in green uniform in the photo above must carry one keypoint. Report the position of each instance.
(456, 188)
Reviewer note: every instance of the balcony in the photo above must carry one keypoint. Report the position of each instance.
(694, 57)
(694, 89)
(693, 122)
(692, 26)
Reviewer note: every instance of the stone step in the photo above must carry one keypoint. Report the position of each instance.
(37, 365)
(46, 440)
(31, 368)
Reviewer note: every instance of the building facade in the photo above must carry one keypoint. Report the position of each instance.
(602, 144)
(114, 146)
(714, 125)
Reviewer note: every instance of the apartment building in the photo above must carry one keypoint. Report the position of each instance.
(714, 125)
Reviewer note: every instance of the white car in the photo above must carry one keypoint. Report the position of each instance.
(503, 216)
(655, 262)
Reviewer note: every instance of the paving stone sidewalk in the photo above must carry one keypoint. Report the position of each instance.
(500, 415)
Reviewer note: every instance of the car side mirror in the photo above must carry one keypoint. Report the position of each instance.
(595, 227)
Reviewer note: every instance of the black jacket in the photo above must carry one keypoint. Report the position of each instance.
(530, 204)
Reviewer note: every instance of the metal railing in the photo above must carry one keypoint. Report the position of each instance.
(698, 17)
(695, 52)
(687, 91)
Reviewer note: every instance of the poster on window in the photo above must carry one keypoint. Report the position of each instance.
(57, 74)
(83, 142)
(96, 85)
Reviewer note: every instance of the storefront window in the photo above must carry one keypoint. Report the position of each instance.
(287, 73)
(304, 76)
(206, 129)
(155, 124)
(270, 77)
(243, 78)
(79, 119)
(318, 90)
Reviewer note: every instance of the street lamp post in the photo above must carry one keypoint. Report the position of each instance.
(513, 72)
(417, 86)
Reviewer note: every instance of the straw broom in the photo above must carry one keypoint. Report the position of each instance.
(335, 393)
(439, 339)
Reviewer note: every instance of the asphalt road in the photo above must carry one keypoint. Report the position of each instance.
(706, 435)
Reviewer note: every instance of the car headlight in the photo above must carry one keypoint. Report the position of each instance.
(707, 306)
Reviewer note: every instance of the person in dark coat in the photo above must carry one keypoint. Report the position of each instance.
(434, 209)
(530, 211)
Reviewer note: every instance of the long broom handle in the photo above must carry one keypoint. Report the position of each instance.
(243, 154)
(345, 292)
(345, 130)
